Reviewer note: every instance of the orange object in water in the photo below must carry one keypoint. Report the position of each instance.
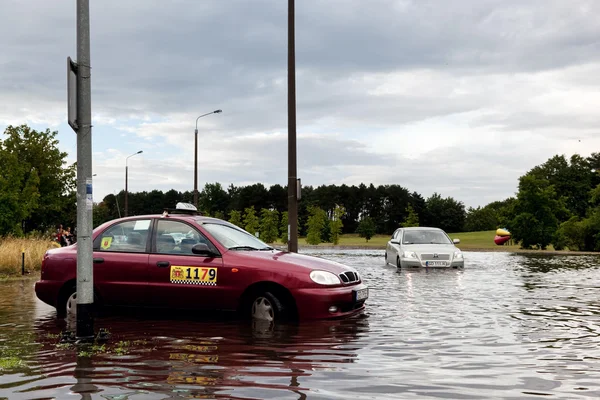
(500, 240)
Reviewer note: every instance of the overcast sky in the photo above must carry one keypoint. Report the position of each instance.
(456, 97)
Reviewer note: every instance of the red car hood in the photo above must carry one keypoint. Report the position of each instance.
(297, 260)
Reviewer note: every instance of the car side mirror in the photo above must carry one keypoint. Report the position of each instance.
(395, 241)
(203, 250)
(456, 241)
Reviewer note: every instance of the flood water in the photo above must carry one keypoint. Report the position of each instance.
(508, 326)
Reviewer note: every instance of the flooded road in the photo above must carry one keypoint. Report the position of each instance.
(508, 326)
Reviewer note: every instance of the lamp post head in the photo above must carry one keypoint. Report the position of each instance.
(218, 111)
(140, 152)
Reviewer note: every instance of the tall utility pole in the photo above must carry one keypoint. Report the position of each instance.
(85, 284)
(126, 190)
(196, 155)
(292, 174)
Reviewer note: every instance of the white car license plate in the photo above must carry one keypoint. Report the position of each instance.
(435, 263)
(361, 294)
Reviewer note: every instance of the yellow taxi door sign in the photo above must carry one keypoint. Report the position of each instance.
(106, 242)
(193, 275)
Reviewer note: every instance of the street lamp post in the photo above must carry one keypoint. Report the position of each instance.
(196, 155)
(292, 168)
(126, 159)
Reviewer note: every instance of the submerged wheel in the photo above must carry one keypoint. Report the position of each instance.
(266, 307)
(398, 265)
(66, 306)
(71, 306)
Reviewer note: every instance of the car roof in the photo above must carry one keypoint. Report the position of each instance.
(415, 228)
(199, 219)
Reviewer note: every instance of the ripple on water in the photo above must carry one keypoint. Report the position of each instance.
(507, 326)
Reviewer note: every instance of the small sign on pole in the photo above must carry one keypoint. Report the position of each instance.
(72, 93)
(299, 188)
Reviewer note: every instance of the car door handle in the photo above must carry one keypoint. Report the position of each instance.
(98, 260)
(163, 264)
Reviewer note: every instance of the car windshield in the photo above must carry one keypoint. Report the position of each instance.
(425, 237)
(235, 239)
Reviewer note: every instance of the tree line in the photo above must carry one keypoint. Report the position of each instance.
(385, 207)
(557, 203)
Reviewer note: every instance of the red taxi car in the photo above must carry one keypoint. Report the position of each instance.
(183, 260)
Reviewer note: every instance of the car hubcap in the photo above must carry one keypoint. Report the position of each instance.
(72, 305)
(263, 310)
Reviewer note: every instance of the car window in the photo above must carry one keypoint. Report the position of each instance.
(175, 237)
(127, 236)
(425, 237)
(234, 238)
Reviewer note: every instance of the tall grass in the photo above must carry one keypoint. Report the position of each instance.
(12, 248)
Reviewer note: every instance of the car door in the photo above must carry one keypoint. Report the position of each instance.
(120, 260)
(393, 247)
(178, 278)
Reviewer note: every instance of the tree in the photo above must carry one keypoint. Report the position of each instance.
(481, 219)
(336, 224)
(235, 217)
(251, 222)
(366, 228)
(315, 224)
(572, 179)
(219, 215)
(213, 198)
(537, 212)
(18, 193)
(36, 180)
(412, 219)
(269, 224)
(445, 213)
(283, 228)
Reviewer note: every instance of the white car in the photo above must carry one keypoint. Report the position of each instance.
(423, 247)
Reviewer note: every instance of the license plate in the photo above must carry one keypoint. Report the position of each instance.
(193, 275)
(435, 263)
(361, 294)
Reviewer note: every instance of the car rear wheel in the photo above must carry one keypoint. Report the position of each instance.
(67, 303)
(71, 306)
(267, 307)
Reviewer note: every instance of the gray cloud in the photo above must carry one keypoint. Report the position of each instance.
(490, 74)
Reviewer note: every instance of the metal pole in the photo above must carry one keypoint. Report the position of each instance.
(196, 167)
(125, 187)
(292, 192)
(126, 190)
(196, 155)
(85, 284)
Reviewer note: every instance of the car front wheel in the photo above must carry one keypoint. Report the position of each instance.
(398, 262)
(266, 307)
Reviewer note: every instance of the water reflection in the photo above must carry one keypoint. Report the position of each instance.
(507, 326)
(193, 358)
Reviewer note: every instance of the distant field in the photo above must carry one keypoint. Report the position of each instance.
(483, 240)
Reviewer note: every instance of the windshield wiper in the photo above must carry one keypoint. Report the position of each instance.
(267, 248)
(243, 248)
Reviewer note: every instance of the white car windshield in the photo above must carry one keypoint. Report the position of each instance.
(425, 237)
(235, 239)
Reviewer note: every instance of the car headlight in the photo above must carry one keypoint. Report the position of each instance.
(409, 254)
(458, 255)
(325, 278)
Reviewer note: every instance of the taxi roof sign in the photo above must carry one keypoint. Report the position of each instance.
(182, 208)
(185, 206)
